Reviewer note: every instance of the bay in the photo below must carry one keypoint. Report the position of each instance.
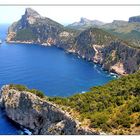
(48, 69)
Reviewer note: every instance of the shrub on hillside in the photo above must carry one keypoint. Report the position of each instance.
(24, 88)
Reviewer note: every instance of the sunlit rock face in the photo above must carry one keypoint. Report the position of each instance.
(40, 116)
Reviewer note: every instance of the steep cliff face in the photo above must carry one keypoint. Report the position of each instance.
(34, 28)
(39, 115)
(103, 48)
(87, 40)
(120, 58)
(91, 44)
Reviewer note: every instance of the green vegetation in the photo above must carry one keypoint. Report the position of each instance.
(130, 32)
(102, 37)
(113, 107)
(97, 36)
(37, 92)
(24, 88)
(25, 35)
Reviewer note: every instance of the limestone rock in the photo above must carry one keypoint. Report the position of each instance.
(40, 116)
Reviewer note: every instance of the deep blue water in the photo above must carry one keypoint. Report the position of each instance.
(48, 69)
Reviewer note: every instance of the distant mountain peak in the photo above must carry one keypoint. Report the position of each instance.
(31, 12)
(85, 23)
(84, 20)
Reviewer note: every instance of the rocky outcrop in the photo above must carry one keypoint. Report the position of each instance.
(32, 27)
(40, 116)
(134, 19)
(120, 58)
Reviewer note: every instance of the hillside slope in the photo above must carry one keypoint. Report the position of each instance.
(113, 107)
(129, 31)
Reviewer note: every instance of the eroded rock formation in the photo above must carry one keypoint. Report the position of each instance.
(40, 116)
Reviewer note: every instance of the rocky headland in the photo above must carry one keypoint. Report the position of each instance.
(41, 117)
(93, 44)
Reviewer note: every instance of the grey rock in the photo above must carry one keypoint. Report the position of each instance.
(41, 117)
(134, 19)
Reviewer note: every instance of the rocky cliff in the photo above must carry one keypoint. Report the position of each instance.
(91, 44)
(33, 28)
(103, 48)
(134, 19)
(40, 116)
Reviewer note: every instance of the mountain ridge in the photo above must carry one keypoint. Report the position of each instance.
(126, 30)
(84, 23)
(134, 19)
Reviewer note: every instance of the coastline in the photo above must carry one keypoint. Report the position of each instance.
(112, 72)
(57, 122)
(115, 74)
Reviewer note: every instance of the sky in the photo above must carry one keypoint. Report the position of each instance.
(69, 14)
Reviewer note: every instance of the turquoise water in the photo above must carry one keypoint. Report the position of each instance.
(48, 69)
